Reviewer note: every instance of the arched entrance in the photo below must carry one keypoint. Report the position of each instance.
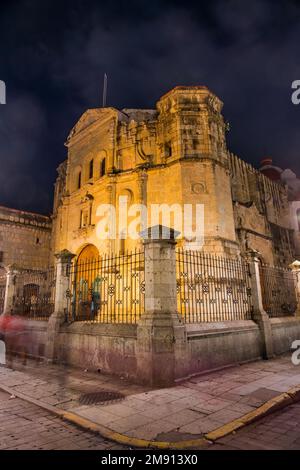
(30, 298)
(88, 253)
(86, 304)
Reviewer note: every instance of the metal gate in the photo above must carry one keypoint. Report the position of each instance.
(35, 292)
(2, 289)
(107, 289)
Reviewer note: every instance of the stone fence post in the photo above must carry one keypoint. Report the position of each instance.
(295, 267)
(260, 316)
(64, 259)
(10, 289)
(161, 335)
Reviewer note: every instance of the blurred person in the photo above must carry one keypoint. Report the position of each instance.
(2, 340)
(13, 329)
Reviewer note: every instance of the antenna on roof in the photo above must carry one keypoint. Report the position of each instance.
(104, 90)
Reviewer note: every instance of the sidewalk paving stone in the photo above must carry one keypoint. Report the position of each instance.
(193, 407)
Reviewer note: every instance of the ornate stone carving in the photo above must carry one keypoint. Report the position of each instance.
(199, 187)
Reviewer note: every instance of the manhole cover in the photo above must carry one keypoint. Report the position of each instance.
(263, 394)
(101, 397)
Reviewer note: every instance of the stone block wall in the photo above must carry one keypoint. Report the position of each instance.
(25, 239)
(285, 331)
(110, 348)
(215, 345)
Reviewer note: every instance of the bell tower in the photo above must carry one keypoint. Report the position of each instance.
(191, 131)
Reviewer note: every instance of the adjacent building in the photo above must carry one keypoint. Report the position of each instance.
(290, 180)
(25, 239)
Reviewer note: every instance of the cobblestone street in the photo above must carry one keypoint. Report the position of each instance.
(26, 426)
(279, 431)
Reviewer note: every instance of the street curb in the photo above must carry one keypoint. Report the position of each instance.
(102, 430)
(275, 404)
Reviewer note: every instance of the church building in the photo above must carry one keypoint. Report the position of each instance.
(173, 154)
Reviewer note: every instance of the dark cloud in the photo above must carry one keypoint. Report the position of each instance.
(54, 54)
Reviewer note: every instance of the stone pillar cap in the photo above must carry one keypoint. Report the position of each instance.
(253, 253)
(12, 268)
(65, 255)
(159, 232)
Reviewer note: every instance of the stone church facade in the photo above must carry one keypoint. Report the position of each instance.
(173, 154)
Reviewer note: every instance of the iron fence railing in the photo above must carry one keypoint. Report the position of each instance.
(2, 291)
(35, 294)
(108, 289)
(212, 288)
(279, 292)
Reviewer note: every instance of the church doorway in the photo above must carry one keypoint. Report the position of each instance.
(88, 253)
(86, 303)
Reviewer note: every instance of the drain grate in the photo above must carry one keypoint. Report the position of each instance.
(102, 397)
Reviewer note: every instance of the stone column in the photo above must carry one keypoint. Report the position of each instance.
(142, 196)
(295, 267)
(10, 289)
(111, 199)
(64, 259)
(161, 334)
(259, 315)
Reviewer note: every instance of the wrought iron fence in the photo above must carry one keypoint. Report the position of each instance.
(35, 292)
(211, 288)
(279, 292)
(2, 291)
(108, 289)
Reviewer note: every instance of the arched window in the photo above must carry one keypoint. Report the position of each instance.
(298, 218)
(79, 180)
(168, 149)
(102, 167)
(91, 169)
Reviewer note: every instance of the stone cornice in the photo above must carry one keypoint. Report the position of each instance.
(45, 228)
(76, 136)
(24, 219)
(253, 232)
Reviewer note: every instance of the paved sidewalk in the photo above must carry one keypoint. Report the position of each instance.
(186, 411)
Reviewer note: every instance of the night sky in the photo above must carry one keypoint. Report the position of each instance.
(53, 56)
